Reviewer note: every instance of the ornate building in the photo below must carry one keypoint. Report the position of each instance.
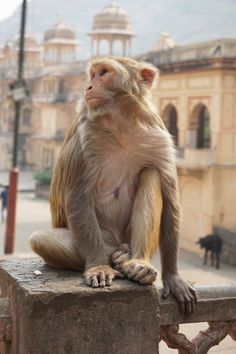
(196, 98)
(50, 69)
(60, 45)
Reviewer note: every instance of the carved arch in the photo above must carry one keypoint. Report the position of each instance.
(199, 122)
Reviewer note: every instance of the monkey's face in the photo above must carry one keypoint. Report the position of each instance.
(115, 76)
(101, 86)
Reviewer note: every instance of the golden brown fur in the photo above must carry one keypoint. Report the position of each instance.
(114, 187)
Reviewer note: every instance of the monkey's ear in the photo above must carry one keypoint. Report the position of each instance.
(148, 75)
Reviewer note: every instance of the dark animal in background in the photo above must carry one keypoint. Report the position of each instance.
(212, 243)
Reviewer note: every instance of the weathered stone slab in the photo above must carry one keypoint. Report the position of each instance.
(215, 303)
(56, 313)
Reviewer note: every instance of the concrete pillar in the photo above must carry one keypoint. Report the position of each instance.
(55, 312)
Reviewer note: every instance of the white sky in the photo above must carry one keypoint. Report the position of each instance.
(7, 7)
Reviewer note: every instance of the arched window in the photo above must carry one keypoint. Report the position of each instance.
(170, 119)
(203, 133)
(200, 124)
(62, 86)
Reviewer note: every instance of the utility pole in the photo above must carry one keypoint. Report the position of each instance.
(18, 91)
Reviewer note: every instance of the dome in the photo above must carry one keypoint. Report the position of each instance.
(112, 19)
(30, 42)
(164, 42)
(61, 32)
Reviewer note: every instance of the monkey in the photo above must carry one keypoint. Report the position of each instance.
(114, 194)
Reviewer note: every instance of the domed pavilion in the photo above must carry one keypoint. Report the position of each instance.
(111, 24)
(60, 44)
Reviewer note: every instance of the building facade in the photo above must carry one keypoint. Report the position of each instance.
(196, 98)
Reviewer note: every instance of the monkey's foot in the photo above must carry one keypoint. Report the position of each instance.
(139, 270)
(101, 276)
(120, 256)
(184, 293)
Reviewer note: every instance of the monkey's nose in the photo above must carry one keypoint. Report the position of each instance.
(89, 88)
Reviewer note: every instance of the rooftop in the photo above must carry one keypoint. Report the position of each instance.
(192, 55)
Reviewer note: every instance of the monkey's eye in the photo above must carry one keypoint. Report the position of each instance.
(103, 72)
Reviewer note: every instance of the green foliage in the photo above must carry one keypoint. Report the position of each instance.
(44, 177)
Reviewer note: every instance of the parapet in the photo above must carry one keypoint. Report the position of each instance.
(50, 311)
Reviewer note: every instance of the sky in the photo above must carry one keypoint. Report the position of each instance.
(8, 7)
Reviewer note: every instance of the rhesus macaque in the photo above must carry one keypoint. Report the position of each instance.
(114, 186)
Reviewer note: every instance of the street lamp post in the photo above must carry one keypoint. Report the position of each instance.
(17, 86)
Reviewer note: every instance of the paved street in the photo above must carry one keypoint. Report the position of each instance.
(33, 214)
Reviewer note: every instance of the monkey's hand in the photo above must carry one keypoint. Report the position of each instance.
(139, 270)
(120, 256)
(101, 276)
(184, 293)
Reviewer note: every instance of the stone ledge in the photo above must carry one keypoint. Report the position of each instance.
(55, 312)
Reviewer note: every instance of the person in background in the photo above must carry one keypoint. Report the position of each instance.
(4, 196)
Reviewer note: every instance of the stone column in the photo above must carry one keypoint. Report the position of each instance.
(110, 46)
(129, 46)
(92, 46)
(97, 47)
(124, 47)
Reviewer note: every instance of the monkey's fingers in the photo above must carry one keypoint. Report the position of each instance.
(102, 279)
(193, 292)
(189, 298)
(94, 281)
(133, 270)
(186, 303)
(110, 276)
(149, 278)
(141, 274)
(118, 274)
(166, 291)
(185, 295)
(119, 257)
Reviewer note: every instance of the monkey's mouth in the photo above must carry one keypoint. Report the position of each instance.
(93, 98)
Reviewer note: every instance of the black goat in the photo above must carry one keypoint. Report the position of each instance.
(212, 243)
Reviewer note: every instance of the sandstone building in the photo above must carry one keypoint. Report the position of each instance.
(196, 98)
